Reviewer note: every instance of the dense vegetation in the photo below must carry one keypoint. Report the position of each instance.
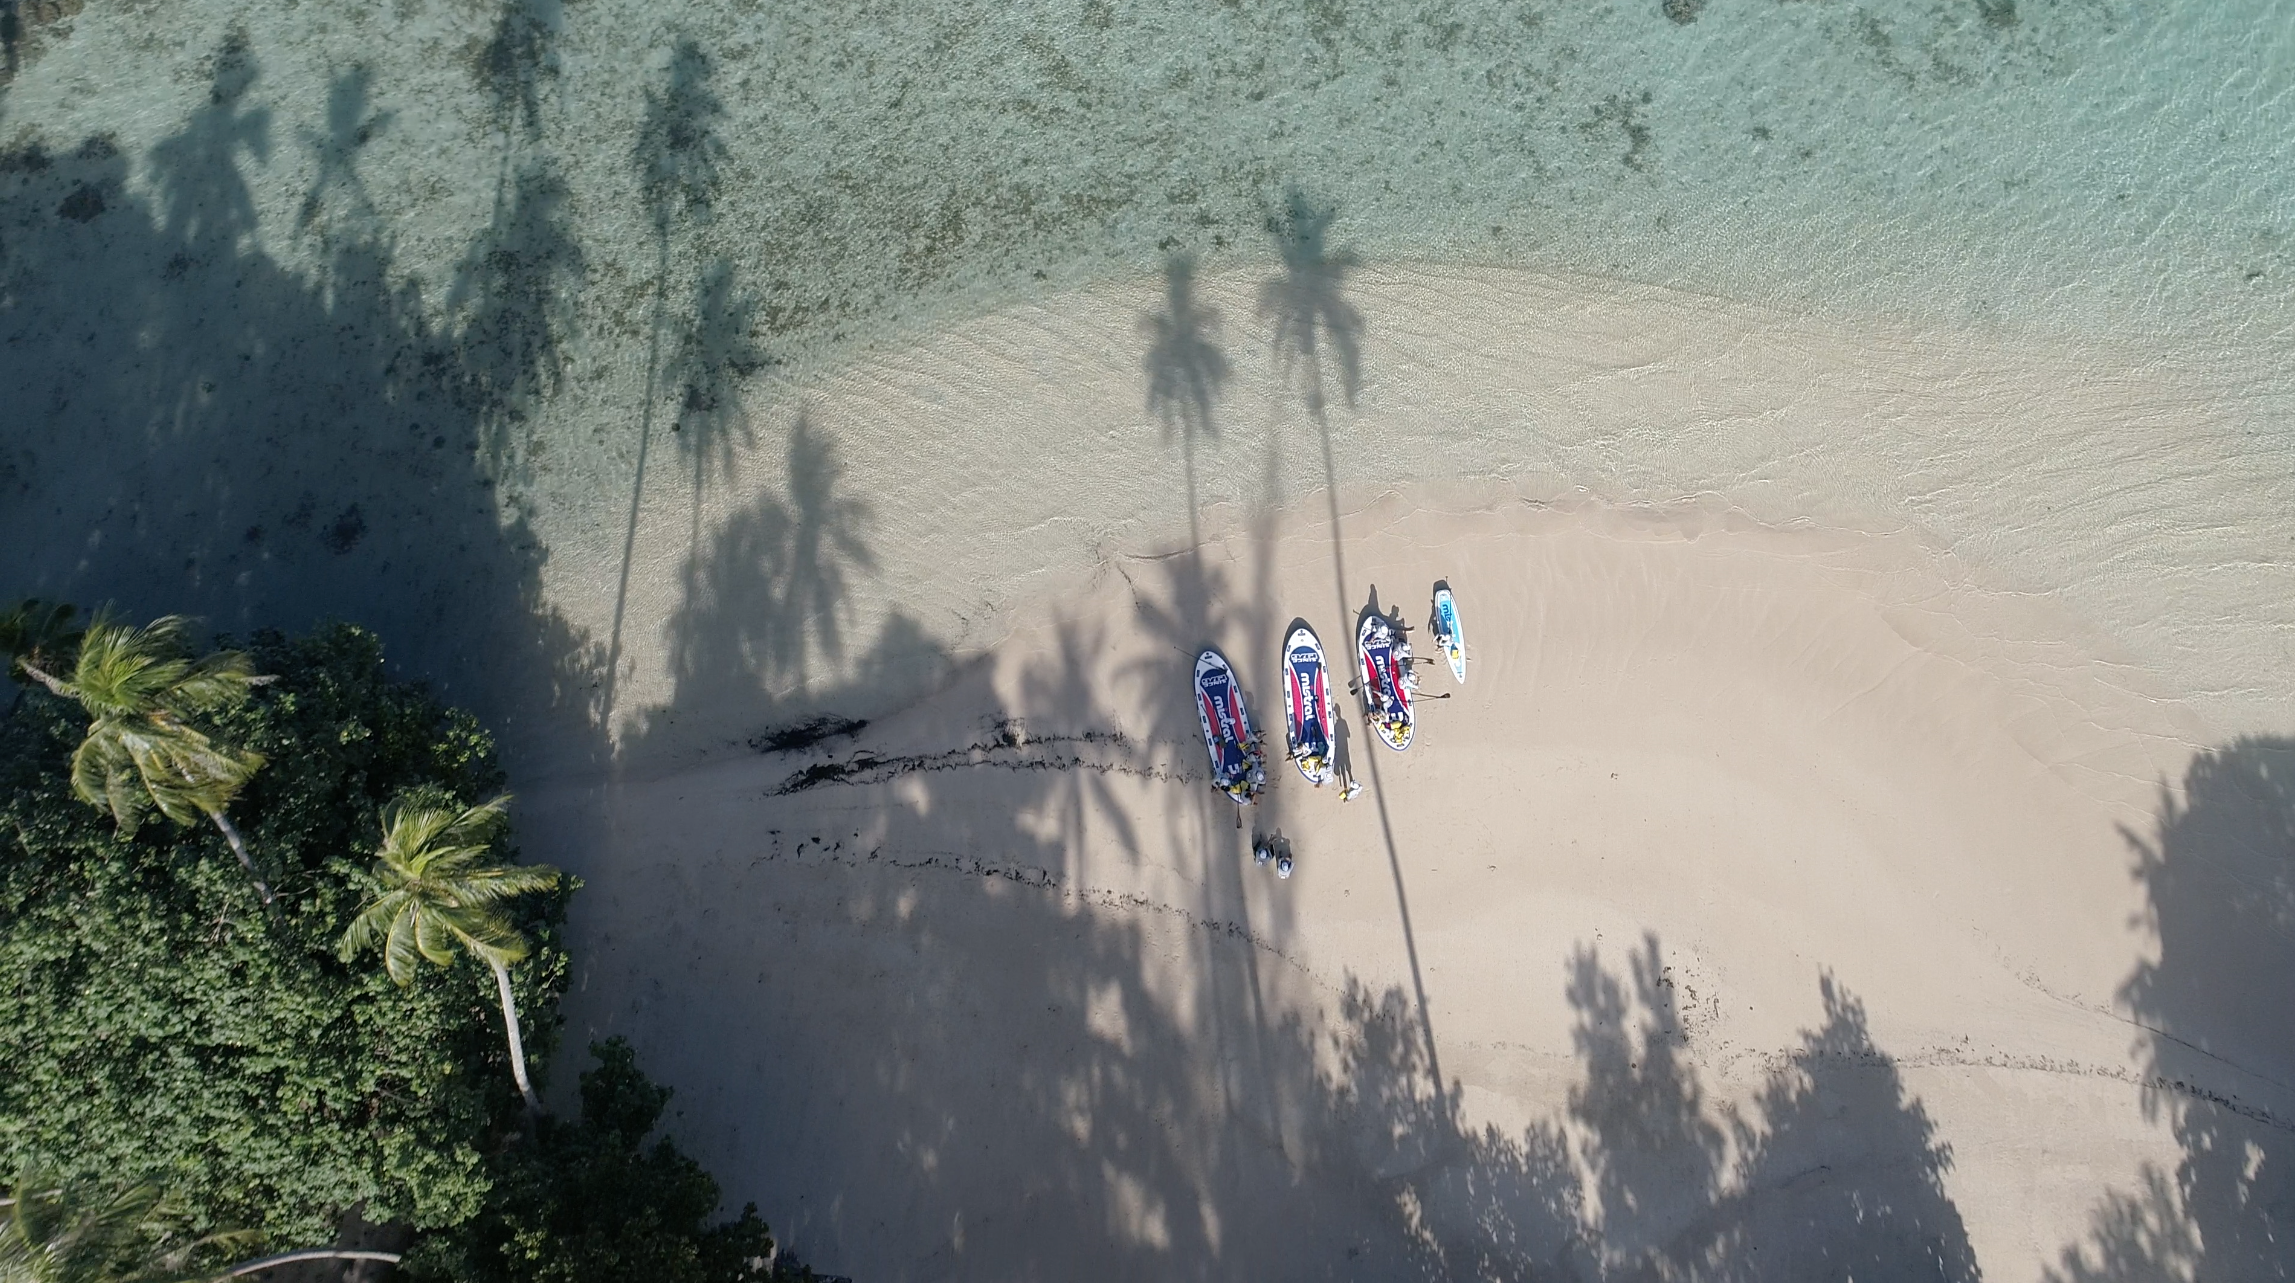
(171, 1015)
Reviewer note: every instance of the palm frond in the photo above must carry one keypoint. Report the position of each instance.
(40, 632)
(122, 668)
(373, 920)
(486, 934)
(63, 1232)
(127, 671)
(218, 681)
(433, 937)
(175, 768)
(440, 889)
(420, 839)
(104, 776)
(400, 958)
(502, 881)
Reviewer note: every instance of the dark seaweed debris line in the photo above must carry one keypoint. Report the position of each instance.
(1029, 876)
(807, 732)
(996, 753)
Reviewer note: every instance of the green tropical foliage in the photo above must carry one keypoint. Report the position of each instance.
(141, 691)
(440, 893)
(155, 1027)
(57, 1231)
(590, 1202)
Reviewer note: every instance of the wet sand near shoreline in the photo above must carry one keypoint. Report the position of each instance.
(900, 512)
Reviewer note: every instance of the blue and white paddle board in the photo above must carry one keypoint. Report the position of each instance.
(1448, 632)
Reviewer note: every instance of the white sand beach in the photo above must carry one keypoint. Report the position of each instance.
(1827, 869)
(1862, 848)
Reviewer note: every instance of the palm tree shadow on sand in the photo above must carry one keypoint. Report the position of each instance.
(2219, 878)
(1185, 367)
(717, 351)
(679, 160)
(761, 625)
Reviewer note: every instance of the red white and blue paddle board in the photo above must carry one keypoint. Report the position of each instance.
(1384, 663)
(1307, 704)
(1236, 769)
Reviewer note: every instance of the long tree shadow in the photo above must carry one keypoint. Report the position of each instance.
(1308, 308)
(679, 160)
(718, 350)
(1370, 760)
(211, 432)
(520, 56)
(760, 632)
(2219, 877)
(1185, 371)
(194, 426)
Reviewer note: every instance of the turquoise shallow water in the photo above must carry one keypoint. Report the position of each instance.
(2083, 164)
(399, 283)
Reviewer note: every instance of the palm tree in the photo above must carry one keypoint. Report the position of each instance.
(35, 632)
(53, 1231)
(141, 751)
(438, 891)
(57, 1232)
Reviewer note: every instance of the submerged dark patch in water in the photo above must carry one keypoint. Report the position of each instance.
(31, 158)
(344, 533)
(82, 205)
(1683, 12)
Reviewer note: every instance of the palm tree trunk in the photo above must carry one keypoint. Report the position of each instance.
(53, 683)
(311, 1254)
(517, 1046)
(239, 848)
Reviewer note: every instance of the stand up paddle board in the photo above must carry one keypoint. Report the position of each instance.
(1384, 660)
(1448, 632)
(1307, 704)
(1236, 769)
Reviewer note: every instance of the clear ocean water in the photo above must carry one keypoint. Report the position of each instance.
(2068, 164)
(335, 261)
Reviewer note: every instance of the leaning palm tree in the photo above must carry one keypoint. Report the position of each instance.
(440, 891)
(34, 633)
(56, 1231)
(141, 751)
